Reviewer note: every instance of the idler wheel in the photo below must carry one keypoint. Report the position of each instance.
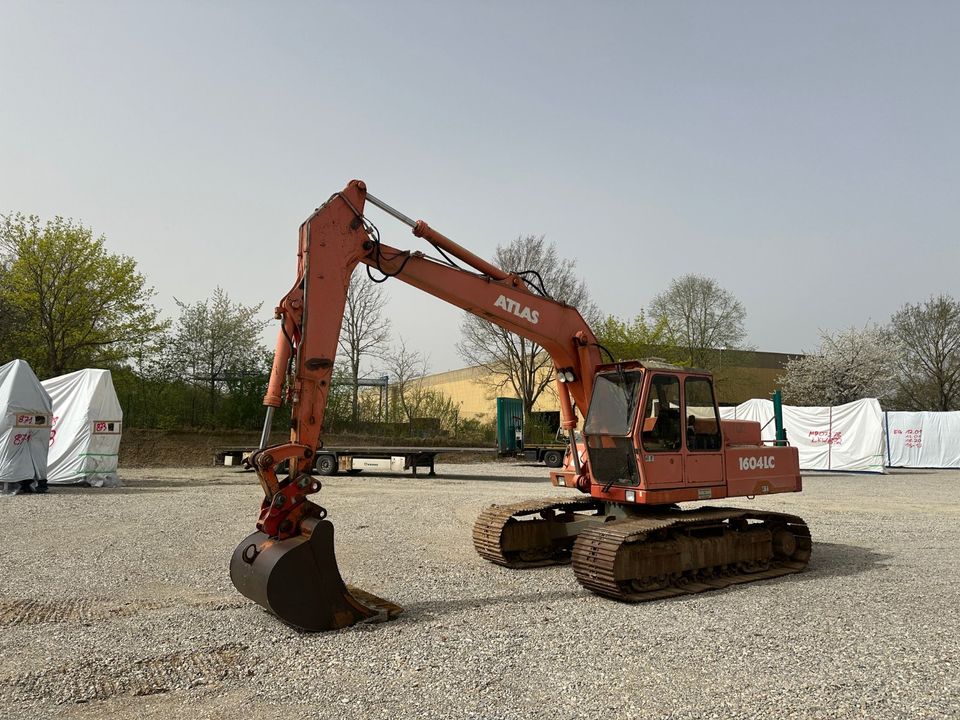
(784, 543)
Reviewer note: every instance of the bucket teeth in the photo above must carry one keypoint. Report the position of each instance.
(297, 579)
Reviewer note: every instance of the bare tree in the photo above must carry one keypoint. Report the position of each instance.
(929, 363)
(701, 318)
(411, 400)
(406, 369)
(850, 365)
(364, 331)
(510, 360)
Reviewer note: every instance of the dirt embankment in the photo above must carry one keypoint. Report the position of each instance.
(158, 448)
(196, 448)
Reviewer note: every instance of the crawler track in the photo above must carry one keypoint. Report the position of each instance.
(676, 553)
(531, 533)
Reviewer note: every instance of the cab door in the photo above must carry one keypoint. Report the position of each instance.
(702, 441)
(661, 434)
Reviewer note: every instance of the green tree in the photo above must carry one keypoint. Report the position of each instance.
(74, 303)
(929, 360)
(150, 387)
(636, 339)
(216, 347)
(10, 319)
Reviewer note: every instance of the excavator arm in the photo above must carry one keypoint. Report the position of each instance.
(288, 565)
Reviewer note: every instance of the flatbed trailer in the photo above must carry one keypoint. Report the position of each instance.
(332, 460)
(550, 455)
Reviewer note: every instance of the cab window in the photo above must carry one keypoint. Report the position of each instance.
(661, 419)
(702, 424)
(613, 405)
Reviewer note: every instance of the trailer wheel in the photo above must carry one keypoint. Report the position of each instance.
(553, 458)
(326, 464)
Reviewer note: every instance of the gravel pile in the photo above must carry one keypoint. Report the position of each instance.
(116, 603)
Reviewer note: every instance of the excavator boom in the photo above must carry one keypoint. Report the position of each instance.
(637, 458)
(288, 566)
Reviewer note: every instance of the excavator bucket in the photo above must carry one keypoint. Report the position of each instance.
(297, 579)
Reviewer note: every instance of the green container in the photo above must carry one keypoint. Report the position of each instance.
(509, 425)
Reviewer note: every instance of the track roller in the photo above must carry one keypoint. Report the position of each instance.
(533, 533)
(676, 553)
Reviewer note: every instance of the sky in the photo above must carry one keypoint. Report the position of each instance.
(805, 155)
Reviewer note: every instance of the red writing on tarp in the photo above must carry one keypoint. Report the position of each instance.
(21, 438)
(913, 437)
(825, 437)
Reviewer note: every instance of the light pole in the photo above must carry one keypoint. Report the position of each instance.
(720, 369)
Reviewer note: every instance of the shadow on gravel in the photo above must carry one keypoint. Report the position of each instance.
(124, 490)
(839, 560)
(244, 479)
(150, 485)
(543, 480)
(430, 610)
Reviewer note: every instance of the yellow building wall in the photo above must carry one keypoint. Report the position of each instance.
(476, 391)
(474, 388)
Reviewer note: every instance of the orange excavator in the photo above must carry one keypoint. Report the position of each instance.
(652, 438)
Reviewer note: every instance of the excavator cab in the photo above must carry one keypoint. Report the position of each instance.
(622, 441)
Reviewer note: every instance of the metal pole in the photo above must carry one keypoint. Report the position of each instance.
(389, 210)
(265, 435)
(778, 417)
(573, 449)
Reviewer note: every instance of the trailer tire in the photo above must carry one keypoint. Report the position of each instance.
(326, 464)
(553, 458)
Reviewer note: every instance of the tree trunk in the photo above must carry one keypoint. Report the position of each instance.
(355, 394)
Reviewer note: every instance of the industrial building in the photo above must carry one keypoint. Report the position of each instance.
(740, 375)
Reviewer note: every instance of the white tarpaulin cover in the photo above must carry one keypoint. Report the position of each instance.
(846, 437)
(24, 425)
(85, 442)
(923, 439)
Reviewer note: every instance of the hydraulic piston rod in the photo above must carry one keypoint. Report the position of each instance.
(421, 229)
(391, 211)
(265, 435)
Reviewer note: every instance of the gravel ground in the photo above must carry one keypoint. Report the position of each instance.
(116, 603)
